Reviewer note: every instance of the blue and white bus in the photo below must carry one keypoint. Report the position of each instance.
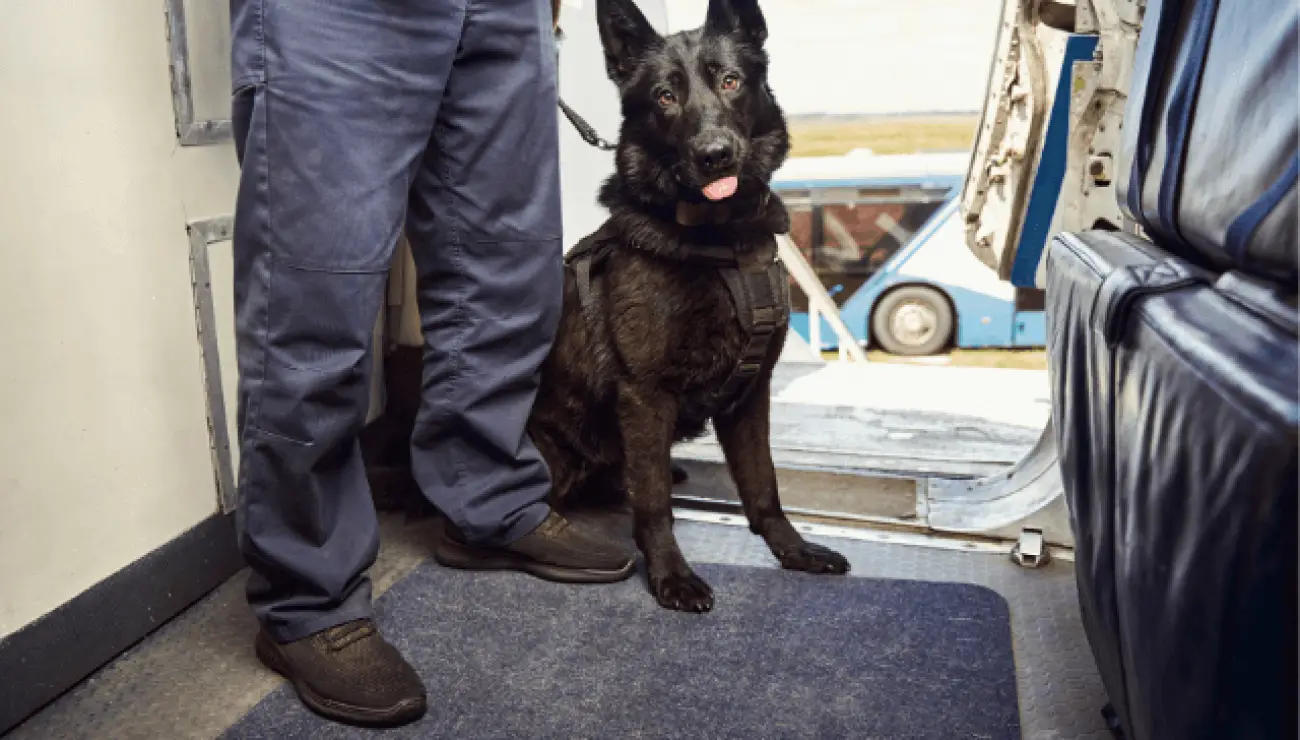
(884, 234)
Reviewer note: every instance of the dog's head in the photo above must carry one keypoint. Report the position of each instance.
(699, 120)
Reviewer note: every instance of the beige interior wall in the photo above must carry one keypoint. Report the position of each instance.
(104, 452)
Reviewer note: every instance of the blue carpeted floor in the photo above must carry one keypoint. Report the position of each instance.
(783, 655)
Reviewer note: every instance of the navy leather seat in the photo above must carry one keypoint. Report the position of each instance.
(1175, 386)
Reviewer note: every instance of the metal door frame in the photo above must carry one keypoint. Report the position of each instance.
(203, 234)
(188, 131)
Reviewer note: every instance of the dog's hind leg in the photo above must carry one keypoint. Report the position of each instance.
(746, 443)
(647, 418)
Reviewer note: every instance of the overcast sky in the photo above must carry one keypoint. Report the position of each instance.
(872, 56)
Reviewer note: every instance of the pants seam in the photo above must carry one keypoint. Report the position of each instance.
(267, 233)
(264, 322)
(260, 25)
(270, 436)
(456, 355)
(298, 266)
(455, 359)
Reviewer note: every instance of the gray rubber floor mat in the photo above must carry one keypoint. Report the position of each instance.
(782, 655)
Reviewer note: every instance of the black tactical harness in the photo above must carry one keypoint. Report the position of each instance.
(757, 281)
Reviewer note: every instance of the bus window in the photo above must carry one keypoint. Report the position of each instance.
(855, 240)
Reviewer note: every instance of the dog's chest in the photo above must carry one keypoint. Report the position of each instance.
(711, 337)
(678, 324)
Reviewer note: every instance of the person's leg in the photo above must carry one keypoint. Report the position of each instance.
(335, 103)
(484, 224)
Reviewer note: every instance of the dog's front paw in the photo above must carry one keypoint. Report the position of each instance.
(684, 592)
(812, 558)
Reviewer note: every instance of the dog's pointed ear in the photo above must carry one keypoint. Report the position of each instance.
(736, 16)
(626, 36)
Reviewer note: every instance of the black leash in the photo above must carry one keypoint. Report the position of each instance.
(585, 129)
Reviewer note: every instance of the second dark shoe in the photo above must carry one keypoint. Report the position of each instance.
(349, 674)
(555, 551)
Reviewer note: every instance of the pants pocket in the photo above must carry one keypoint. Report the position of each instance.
(241, 116)
(319, 339)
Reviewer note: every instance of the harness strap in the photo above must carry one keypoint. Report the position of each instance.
(760, 291)
(583, 271)
(585, 258)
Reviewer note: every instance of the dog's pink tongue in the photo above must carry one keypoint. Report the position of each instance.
(719, 189)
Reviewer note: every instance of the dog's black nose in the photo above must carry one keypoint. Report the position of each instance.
(716, 155)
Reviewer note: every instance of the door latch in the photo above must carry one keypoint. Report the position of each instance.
(1030, 551)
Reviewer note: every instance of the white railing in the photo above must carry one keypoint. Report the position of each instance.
(819, 303)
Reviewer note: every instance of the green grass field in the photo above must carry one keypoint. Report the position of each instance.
(1019, 359)
(813, 137)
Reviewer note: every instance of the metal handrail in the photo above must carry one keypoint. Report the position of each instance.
(819, 302)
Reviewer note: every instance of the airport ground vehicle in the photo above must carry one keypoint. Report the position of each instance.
(885, 237)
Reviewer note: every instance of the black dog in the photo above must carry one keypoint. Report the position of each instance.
(675, 311)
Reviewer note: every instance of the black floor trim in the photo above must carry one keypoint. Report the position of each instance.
(51, 655)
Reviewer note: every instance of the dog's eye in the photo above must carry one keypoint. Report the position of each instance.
(666, 98)
(730, 82)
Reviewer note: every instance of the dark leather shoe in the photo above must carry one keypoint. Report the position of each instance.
(349, 674)
(555, 551)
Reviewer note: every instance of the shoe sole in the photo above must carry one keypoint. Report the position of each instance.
(467, 557)
(402, 713)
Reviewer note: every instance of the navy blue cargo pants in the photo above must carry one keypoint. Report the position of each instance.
(354, 120)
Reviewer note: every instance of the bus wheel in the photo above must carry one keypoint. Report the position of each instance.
(912, 320)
